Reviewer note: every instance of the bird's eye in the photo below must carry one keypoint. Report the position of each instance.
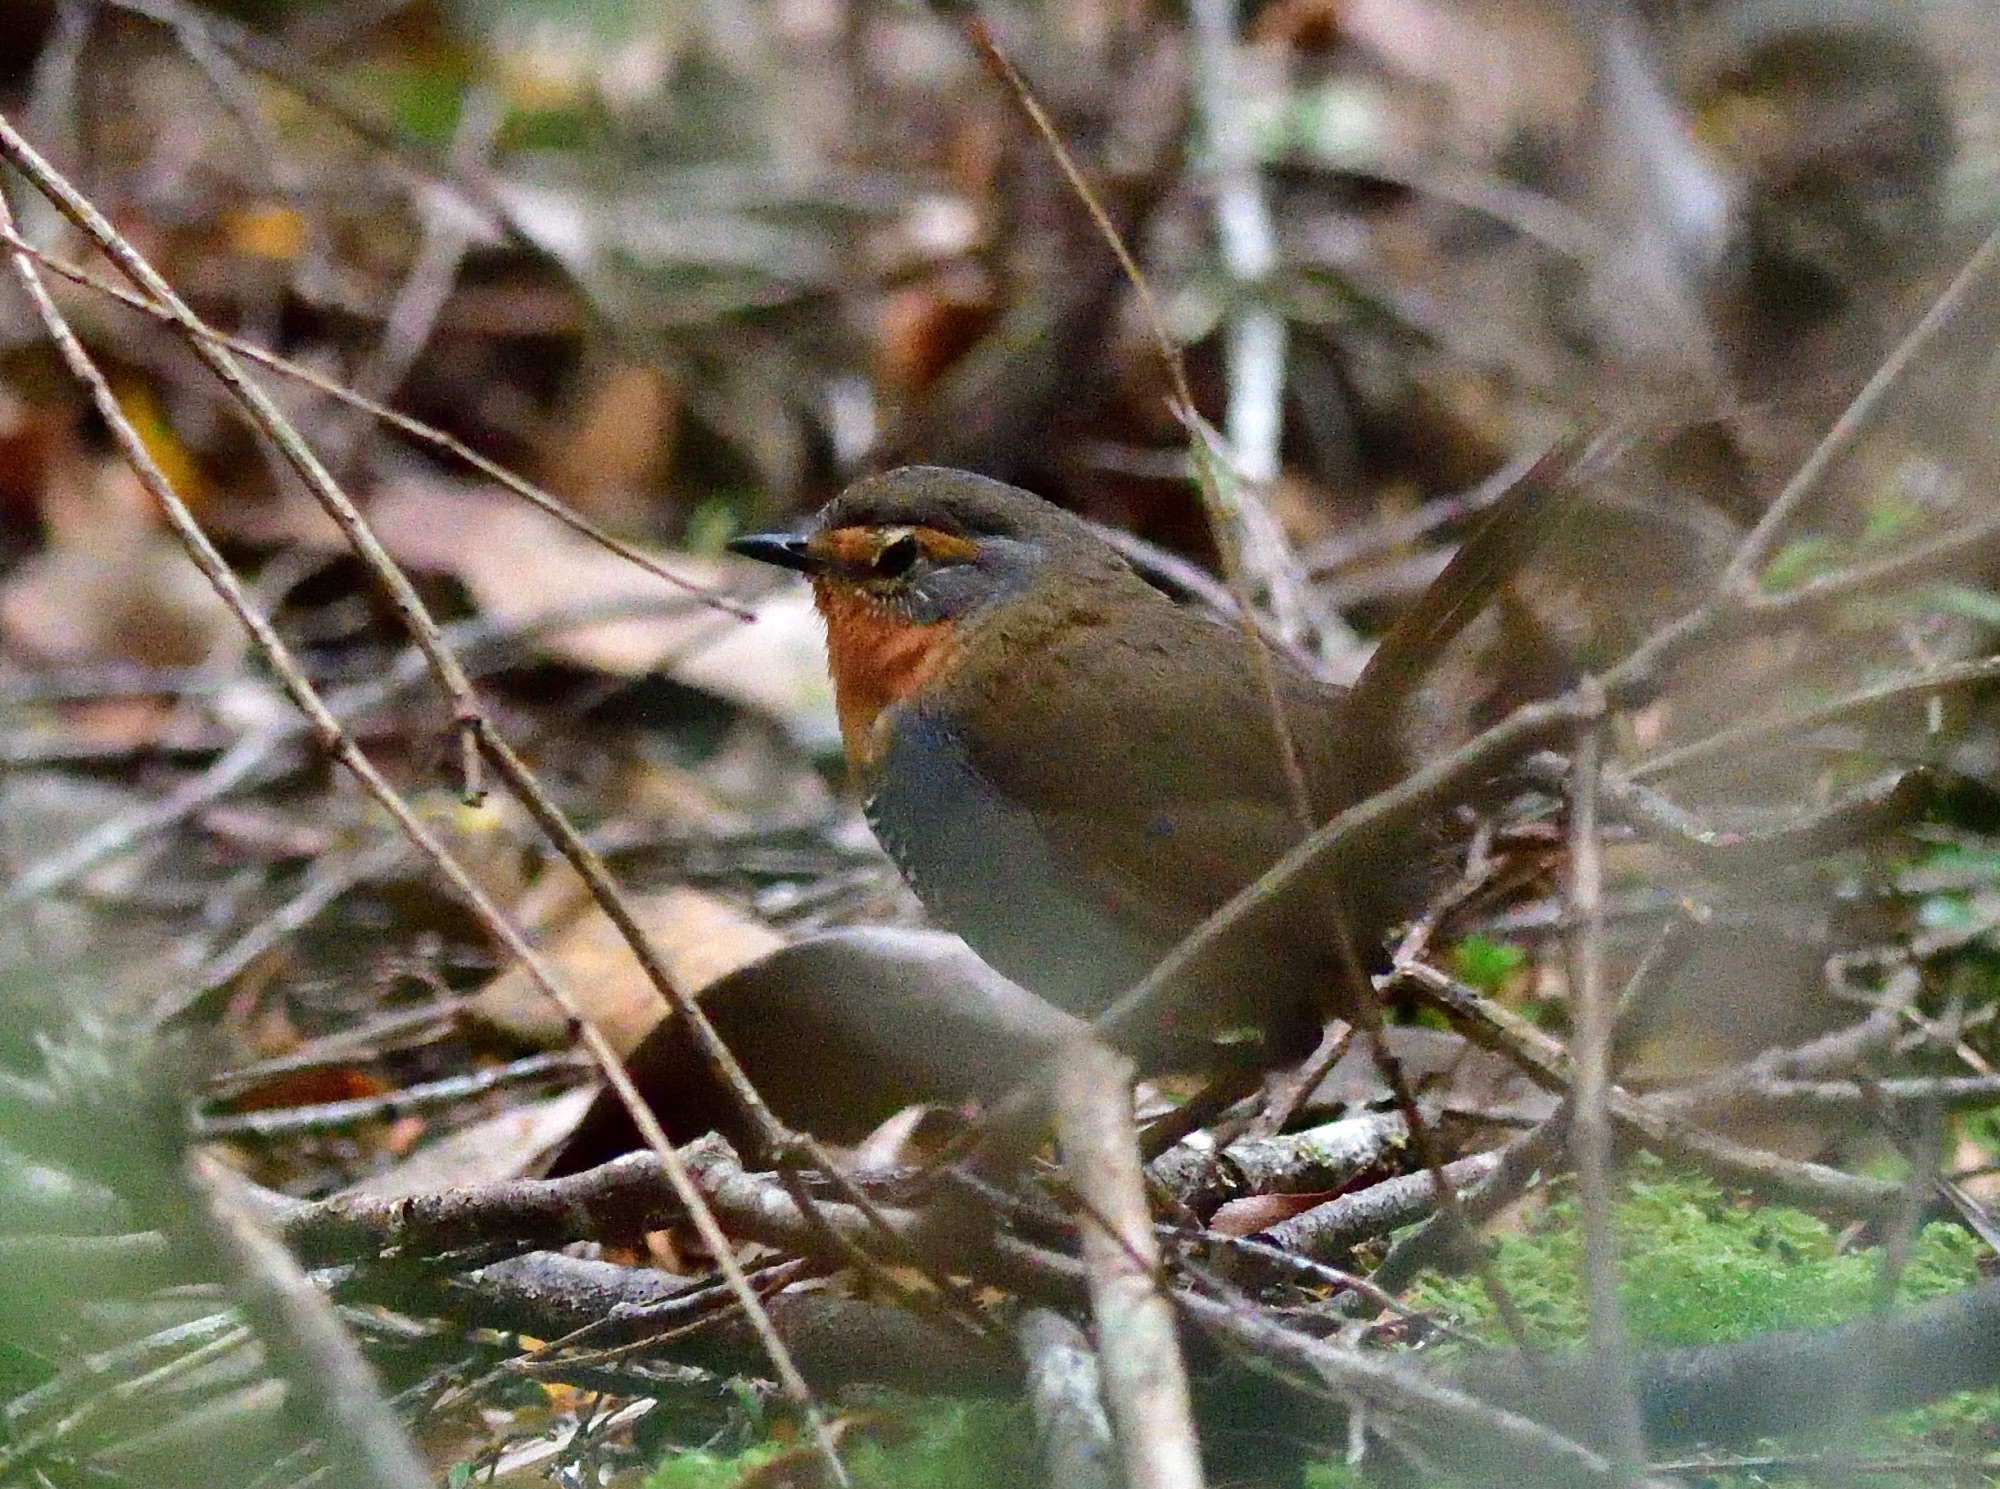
(897, 555)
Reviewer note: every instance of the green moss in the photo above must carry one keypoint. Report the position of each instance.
(1487, 964)
(1331, 1476)
(711, 1470)
(1701, 1267)
(1799, 560)
(424, 99)
(936, 1445)
(956, 1445)
(1981, 605)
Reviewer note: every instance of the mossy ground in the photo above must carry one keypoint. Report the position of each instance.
(930, 1445)
(1699, 1267)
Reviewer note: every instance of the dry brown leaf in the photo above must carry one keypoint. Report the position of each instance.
(321, 1086)
(489, 1152)
(267, 230)
(111, 587)
(1304, 25)
(522, 565)
(608, 462)
(921, 332)
(1259, 1212)
(1440, 1066)
(698, 937)
(35, 439)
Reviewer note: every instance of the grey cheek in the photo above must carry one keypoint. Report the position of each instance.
(1003, 569)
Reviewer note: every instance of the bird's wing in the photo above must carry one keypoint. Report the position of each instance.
(1149, 761)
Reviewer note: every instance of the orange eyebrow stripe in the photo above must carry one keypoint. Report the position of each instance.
(949, 547)
(849, 545)
(858, 547)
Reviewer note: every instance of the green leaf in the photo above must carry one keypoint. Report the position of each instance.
(1982, 605)
(1796, 562)
(1485, 963)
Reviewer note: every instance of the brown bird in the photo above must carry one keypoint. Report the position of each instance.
(1072, 772)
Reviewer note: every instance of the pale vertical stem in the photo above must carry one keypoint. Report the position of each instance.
(1590, 1128)
(1255, 335)
(1144, 1381)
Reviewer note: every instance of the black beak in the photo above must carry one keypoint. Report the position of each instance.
(786, 550)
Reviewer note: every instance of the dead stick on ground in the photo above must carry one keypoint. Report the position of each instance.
(331, 1391)
(1145, 1385)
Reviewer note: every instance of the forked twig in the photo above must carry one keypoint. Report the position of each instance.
(779, 1138)
(1445, 781)
(271, 422)
(334, 739)
(1809, 1186)
(416, 429)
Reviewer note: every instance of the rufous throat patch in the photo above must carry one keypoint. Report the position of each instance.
(877, 658)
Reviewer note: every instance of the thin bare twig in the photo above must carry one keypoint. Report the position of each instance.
(1756, 732)
(312, 80)
(1208, 483)
(1513, 1448)
(1329, 1231)
(328, 879)
(1320, 1159)
(1889, 1097)
(335, 741)
(395, 1029)
(265, 415)
(332, 1116)
(1739, 580)
(1430, 1244)
(778, 1139)
(1528, 727)
(449, 231)
(403, 424)
(1809, 1186)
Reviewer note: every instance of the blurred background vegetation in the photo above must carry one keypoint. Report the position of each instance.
(689, 265)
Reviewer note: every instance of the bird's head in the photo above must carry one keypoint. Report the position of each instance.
(904, 566)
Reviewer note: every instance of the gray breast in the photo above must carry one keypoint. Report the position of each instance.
(983, 869)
